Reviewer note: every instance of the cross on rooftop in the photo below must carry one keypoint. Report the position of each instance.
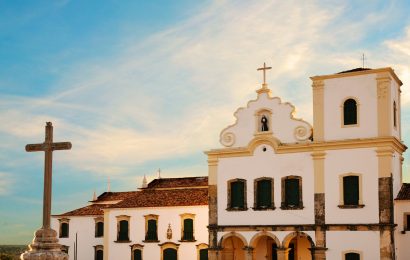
(264, 69)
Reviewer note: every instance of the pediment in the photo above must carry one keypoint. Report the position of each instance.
(266, 117)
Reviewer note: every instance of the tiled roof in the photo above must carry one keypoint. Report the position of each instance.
(178, 182)
(113, 196)
(91, 210)
(353, 70)
(165, 198)
(404, 193)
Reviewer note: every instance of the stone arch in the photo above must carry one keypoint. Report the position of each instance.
(294, 234)
(254, 239)
(233, 234)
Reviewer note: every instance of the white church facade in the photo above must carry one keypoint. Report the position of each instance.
(282, 189)
(279, 188)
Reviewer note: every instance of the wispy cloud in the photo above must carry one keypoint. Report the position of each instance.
(170, 94)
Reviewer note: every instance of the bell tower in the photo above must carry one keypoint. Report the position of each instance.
(359, 103)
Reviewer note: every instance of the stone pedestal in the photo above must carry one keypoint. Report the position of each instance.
(45, 246)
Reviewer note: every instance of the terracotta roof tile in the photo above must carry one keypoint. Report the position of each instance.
(113, 196)
(165, 198)
(404, 193)
(91, 210)
(178, 182)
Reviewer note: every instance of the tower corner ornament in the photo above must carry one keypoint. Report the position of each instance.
(45, 243)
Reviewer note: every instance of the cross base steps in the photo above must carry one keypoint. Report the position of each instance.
(45, 246)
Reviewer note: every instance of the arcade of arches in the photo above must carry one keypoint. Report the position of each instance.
(265, 246)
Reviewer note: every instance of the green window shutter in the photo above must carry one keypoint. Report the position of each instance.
(123, 234)
(188, 229)
(264, 193)
(351, 190)
(170, 254)
(99, 229)
(203, 254)
(237, 194)
(137, 254)
(292, 195)
(99, 255)
(152, 230)
(352, 256)
(64, 230)
(350, 112)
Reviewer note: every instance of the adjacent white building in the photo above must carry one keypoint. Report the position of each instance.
(282, 189)
(165, 220)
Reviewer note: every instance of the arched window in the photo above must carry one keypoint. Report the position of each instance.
(292, 192)
(169, 251)
(170, 254)
(98, 252)
(263, 194)
(64, 227)
(203, 254)
(99, 229)
(237, 194)
(352, 256)
(350, 112)
(136, 252)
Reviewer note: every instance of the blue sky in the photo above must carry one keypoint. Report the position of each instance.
(142, 85)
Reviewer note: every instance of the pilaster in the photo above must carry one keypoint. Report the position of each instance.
(384, 106)
(318, 110)
(282, 253)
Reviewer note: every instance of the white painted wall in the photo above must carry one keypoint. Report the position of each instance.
(336, 90)
(402, 240)
(167, 215)
(367, 242)
(266, 164)
(363, 161)
(84, 226)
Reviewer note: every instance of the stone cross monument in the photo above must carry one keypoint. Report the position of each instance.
(45, 243)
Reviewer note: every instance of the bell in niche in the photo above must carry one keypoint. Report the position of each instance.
(264, 124)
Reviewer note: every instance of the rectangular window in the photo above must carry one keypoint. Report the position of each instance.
(123, 232)
(237, 194)
(152, 230)
(203, 254)
(188, 229)
(292, 195)
(351, 190)
(264, 194)
(64, 230)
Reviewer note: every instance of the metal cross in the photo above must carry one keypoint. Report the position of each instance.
(264, 68)
(48, 147)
